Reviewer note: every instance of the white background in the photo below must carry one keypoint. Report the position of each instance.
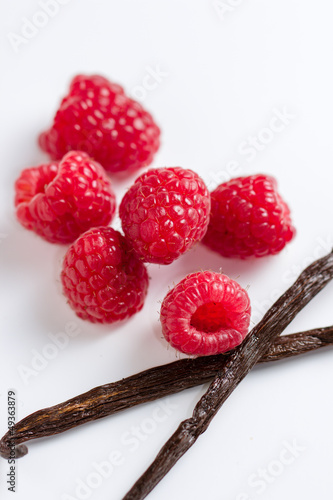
(224, 77)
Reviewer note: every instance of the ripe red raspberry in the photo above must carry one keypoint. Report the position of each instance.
(206, 313)
(164, 213)
(102, 277)
(248, 218)
(59, 201)
(98, 118)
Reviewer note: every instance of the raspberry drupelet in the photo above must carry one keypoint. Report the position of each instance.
(248, 218)
(164, 213)
(99, 118)
(205, 313)
(60, 201)
(102, 278)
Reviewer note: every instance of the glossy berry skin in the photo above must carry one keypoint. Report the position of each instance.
(97, 117)
(206, 313)
(60, 201)
(102, 278)
(165, 213)
(248, 218)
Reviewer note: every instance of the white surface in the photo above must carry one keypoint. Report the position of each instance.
(223, 79)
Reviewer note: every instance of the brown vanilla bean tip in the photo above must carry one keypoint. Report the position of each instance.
(7, 452)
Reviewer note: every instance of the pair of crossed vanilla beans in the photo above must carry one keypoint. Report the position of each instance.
(262, 344)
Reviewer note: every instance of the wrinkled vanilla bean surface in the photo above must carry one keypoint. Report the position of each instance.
(310, 282)
(146, 386)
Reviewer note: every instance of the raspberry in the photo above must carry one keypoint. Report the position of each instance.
(59, 201)
(98, 118)
(102, 277)
(248, 218)
(206, 313)
(164, 213)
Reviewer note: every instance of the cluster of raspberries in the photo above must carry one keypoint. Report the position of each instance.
(98, 131)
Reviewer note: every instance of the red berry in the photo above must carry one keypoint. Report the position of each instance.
(206, 313)
(165, 213)
(98, 118)
(102, 277)
(248, 218)
(59, 201)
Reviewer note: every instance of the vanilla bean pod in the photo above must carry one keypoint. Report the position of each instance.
(146, 386)
(311, 281)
